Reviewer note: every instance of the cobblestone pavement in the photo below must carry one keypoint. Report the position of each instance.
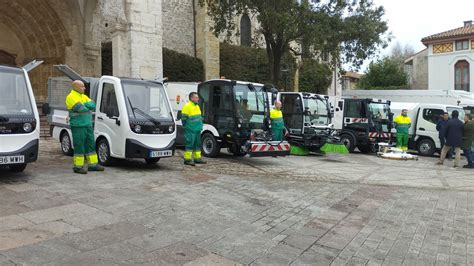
(355, 209)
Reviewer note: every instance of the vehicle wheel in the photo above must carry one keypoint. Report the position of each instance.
(66, 144)
(210, 146)
(349, 142)
(365, 148)
(18, 167)
(426, 147)
(237, 151)
(103, 152)
(152, 160)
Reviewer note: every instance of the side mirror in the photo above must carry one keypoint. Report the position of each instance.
(46, 109)
(179, 115)
(340, 105)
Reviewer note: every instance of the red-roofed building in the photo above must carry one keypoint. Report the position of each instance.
(451, 59)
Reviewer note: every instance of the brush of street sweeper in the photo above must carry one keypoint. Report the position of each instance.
(334, 145)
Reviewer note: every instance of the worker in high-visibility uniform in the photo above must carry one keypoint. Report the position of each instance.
(278, 126)
(402, 124)
(192, 123)
(80, 120)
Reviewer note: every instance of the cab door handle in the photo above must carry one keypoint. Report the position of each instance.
(100, 118)
(422, 129)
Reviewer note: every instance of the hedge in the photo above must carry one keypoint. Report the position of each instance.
(182, 67)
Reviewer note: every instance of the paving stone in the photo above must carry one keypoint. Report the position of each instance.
(313, 258)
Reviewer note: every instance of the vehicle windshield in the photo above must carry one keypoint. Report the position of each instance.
(250, 104)
(146, 101)
(14, 99)
(459, 109)
(380, 115)
(317, 111)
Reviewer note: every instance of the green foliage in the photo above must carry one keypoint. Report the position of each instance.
(251, 64)
(314, 77)
(182, 67)
(350, 31)
(384, 74)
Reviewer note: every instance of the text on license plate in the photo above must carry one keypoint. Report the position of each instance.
(166, 153)
(12, 159)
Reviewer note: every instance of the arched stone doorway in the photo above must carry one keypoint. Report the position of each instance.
(7, 59)
(33, 30)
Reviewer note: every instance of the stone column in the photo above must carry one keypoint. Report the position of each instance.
(207, 44)
(120, 50)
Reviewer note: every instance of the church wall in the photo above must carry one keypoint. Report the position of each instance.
(178, 26)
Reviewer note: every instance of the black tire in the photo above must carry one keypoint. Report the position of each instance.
(365, 148)
(17, 167)
(66, 144)
(209, 145)
(349, 141)
(103, 152)
(151, 161)
(426, 147)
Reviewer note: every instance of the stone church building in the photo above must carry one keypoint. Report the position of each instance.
(117, 37)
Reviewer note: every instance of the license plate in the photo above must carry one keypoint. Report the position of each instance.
(12, 159)
(166, 153)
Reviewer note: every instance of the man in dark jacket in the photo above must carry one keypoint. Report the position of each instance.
(453, 132)
(467, 139)
(441, 128)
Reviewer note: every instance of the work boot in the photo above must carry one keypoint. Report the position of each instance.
(79, 170)
(96, 168)
(439, 163)
(199, 161)
(467, 166)
(455, 166)
(189, 162)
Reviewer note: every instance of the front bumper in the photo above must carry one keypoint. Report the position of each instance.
(136, 149)
(29, 151)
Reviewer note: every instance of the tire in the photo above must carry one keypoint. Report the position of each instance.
(151, 161)
(17, 167)
(210, 147)
(349, 141)
(426, 147)
(103, 152)
(365, 148)
(66, 142)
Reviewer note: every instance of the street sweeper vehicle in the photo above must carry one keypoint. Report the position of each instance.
(133, 117)
(362, 122)
(19, 118)
(307, 117)
(236, 116)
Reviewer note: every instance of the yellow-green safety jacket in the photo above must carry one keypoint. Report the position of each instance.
(191, 117)
(276, 116)
(402, 124)
(80, 109)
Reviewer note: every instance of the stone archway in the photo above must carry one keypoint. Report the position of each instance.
(7, 59)
(39, 33)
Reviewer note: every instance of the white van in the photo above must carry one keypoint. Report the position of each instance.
(19, 118)
(133, 117)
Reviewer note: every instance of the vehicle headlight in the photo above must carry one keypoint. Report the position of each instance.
(171, 129)
(27, 127)
(239, 125)
(137, 128)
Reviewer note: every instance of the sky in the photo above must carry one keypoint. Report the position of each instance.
(411, 20)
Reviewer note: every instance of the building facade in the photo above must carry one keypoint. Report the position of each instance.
(416, 68)
(451, 59)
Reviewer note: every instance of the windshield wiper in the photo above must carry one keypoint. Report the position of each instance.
(142, 113)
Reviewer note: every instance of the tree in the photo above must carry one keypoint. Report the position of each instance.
(350, 31)
(386, 73)
(400, 51)
(314, 77)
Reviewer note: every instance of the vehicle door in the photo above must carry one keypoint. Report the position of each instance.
(426, 124)
(355, 115)
(292, 109)
(220, 112)
(110, 114)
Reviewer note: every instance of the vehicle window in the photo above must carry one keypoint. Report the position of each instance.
(292, 110)
(145, 100)
(222, 97)
(318, 112)
(432, 115)
(460, 110)
(204, 95)
(355, 109)
(15, 99)
(109, 99)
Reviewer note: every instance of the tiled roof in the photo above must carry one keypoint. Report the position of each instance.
(450, 34)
